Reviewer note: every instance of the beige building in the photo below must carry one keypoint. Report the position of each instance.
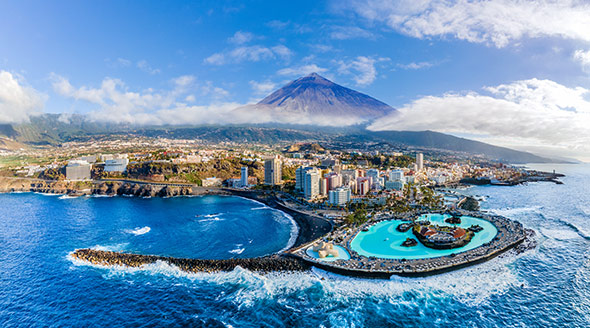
(273, 171)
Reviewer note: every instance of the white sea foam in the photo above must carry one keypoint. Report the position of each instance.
(254, 201)
(472, 285)
(294, 232)
(66, 197)
(560, 234)
(46, 194)
(139, 231)
(101, 196)
(584, 208)
(111, 248)
(211, 217)
(508, 212)
(237, 250)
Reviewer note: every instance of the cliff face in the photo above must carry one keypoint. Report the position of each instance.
(93, 188)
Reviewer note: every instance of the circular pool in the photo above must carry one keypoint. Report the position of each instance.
(384, 241)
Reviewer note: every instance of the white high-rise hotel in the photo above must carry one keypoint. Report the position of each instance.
(420, 161)
(311, 186)
(244, 176)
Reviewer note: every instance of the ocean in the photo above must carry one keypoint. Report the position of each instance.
(41, 285)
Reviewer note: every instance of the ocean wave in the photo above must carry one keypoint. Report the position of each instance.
(46, 193)
(139, 231)
(584, 209)
(253, 201)
(210, 217)
(101, 196)
(581, 283)
(471, 286)
(66, 197)
(111, 248)
(560, 234)
(508, 212)
(293, 233)
(237, 250)
(578, 229)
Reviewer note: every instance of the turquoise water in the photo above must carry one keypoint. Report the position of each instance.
(342, 254)
(384, 241)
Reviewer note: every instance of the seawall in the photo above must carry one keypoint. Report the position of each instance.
(265, 264)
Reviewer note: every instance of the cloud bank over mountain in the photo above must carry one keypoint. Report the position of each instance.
(537, 113)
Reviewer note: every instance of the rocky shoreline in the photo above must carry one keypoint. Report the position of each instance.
(99, 187)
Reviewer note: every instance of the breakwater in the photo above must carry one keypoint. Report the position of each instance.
(264, 264)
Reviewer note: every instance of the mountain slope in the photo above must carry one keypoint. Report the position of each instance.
(430, 139)
(316, 100)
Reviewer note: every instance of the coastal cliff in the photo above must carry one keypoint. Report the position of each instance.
(110, 188)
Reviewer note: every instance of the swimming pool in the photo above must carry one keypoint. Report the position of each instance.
(342, 254)
(384, 241)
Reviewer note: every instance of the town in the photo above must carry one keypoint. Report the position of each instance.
(334, 183)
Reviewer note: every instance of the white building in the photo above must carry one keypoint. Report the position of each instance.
(116, 165)
(339, 196)
(396, 175)
(324, 187)
(419, 161)
(244, 176)
(311, 188)
(211, 182)
(78, 170)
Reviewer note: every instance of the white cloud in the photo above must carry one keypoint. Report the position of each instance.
(17, 101)
(215, 59)
(301, 70)
(113, 101)
(496, 22)
(263, 88)
(146, 67)
(277, 24)
(253, 53)
(362, 68)
(350, 32)
(416, 65)
(241, 37)
(583, 57)
(538, 113)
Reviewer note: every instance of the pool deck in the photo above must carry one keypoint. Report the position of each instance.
(510, 234)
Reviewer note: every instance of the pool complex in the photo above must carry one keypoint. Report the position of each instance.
(342, 254)
(384, 241)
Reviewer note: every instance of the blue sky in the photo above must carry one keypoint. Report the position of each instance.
(502, 62)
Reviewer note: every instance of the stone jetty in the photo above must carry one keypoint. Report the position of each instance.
(265, 264)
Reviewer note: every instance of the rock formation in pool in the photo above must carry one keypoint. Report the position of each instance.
(442, 237)
(410, 242)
